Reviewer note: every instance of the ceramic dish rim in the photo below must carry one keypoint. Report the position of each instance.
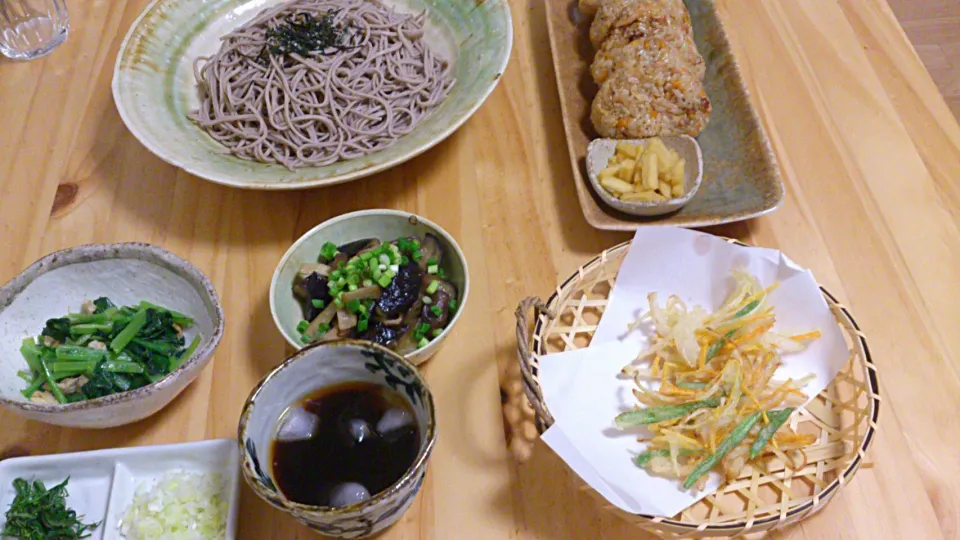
(313, 181)
(423, 455)
(203, 351)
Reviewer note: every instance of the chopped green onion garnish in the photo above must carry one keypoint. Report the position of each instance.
(366, 256)
(404, 260)
(427, 300)
(302, 326)
(433, 269)
(368, 283)
(417, 255)
(338, 301)
(384, 280)
(432, 287)
(421, 331)
(436, 310)
(328, 251)
(436, 332)
(441, 274)
(423, 343)
(362, 325)
(453, 305)
(304, 338)
(432, 261)
(354, 306)
(351, 287)
(317, 303)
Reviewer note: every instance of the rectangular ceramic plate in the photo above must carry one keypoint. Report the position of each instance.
(103, 482)
(740, 175)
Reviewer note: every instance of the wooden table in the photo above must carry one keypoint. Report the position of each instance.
(869, 153)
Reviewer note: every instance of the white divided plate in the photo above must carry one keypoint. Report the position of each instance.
(103, 482)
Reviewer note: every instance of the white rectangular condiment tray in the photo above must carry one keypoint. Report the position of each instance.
(103, 482)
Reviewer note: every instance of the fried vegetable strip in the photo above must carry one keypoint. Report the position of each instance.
(714, 379)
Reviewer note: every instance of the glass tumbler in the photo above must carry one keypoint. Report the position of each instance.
(30, 29)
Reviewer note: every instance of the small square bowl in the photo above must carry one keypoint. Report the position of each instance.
(600, 151)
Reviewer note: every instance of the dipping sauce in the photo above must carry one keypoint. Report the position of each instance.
(342, 444)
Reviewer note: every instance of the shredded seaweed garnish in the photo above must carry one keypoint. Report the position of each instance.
(305, 33)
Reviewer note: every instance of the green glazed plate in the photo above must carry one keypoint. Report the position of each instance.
(154, 86)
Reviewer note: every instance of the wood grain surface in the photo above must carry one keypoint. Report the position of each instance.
(869, 153)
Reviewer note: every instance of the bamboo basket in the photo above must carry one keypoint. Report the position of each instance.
(844, 416)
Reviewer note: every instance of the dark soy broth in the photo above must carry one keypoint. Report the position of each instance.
(344, 443)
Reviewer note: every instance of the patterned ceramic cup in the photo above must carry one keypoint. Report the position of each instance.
(316, 367)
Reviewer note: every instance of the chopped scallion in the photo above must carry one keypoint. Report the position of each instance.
(432, 287)
(328, 251)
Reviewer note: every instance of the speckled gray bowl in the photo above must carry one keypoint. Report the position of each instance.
(600, 151)
(386, 225)
(127, 274)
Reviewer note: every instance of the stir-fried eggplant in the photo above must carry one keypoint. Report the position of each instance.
(392, 294)
(431, 250)
(310, 288)
(437, 313)
(352, 249)
(402, 292)
(382, 334)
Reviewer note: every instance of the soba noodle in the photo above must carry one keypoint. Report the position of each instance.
(324, 106)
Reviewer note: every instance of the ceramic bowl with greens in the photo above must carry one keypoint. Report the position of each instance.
(103, 335)
(155, 87)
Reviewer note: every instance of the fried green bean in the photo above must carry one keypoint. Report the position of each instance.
(777, 418)
(654, 415)
(730, 442)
